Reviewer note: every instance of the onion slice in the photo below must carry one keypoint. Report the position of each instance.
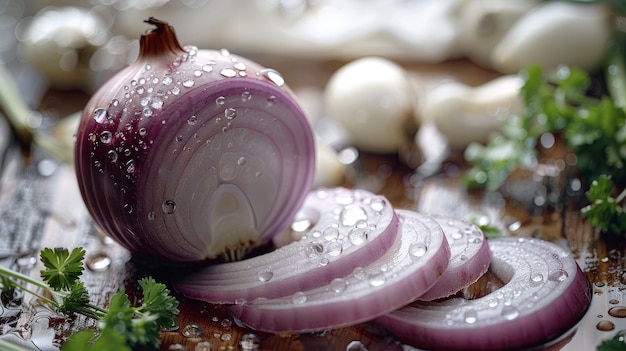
(545, 295)
(351, 228)
(411, 266)
(469, 258)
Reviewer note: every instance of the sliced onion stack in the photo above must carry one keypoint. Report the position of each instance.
(191, 154)
(469, 258)
(545, 295)
(410, 267)
(351, 228)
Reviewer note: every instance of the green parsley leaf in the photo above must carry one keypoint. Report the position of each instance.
(616, 343)
(605, 211)
(157, 301)
(62, 268)
(86, 340)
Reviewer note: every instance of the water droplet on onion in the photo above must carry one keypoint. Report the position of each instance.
(299, 298)
(230, 113)
(220, 100)
(313, 249)
(100, 115)
(470, 316)
(417, 249)
(338, 285)
(189, 83)
(334, 248)
(169, 206)
(273, 76)
(558, 275)
(509, 312)
(352, 214)
(265, 275)
(358, 236)
(228, 72)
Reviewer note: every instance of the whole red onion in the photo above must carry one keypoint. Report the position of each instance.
(189, 155)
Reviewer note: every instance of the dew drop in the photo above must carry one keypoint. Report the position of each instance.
(246, 96)
(225, 52)
(239, 66)
(536, 278)
(618, 312)
(220, 100)
(558, 276)
(207, 68)
(417, 249)
(226, 337)
(128, 208)
(358, 236)
(605, 326)
(356, 346)
(228, 72)
(230, 113)
(226, 323)
(334, 248)
(151, 216)
(470, 316)
(191, 331)
(192, 120)
(188, 83)
(457, 234)
(167, 80)
(313, 249)
(100, 115)
(377, 279)
(249, 342)
(99, 262)
(197, 73)
(298, 298)
(140, 90)
(157, 103)
(272, 100)
(176, 347)
(352, 214)
(338, 285)
(330, 234)
(509, 313)
(203, 346)
(175, 90)
(106, 137)
(265, 275)
(273, 76)
(169, 206)
(130, 166)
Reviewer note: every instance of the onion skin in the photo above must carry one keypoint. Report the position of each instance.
(172, 143)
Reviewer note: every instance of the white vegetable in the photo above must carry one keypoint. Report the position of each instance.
(371, 97)
(329, 171)
(465, 114)
(483, 23)
(556, 33)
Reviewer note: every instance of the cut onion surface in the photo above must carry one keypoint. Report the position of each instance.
(351, 228)
(469, 258)
(411, 266)
(191, 155)
(545, 294)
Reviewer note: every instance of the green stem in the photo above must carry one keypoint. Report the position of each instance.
(24, 278)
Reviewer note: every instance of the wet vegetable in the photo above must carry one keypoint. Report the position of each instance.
(189, 155)
(544, 295)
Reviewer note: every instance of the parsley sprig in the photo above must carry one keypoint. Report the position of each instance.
(120, 327)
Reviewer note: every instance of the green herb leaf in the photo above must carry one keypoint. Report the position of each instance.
(157, 301)
(616, 343)
(86, 340)
(605, 211)
(62, 268)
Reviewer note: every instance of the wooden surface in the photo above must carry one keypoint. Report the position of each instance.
(40, 207)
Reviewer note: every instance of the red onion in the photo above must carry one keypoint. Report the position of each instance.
(410, 267)
(191, 154)
(350, 228)
(545, 295)
(469, 258)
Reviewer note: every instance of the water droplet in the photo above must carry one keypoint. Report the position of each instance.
(352, 214)
(226, 337)
(142, 131)
(225, 52)
(220, 100)
(207, 68)
(192, 120)
(197, 73)
(417, 249)
(99, 262)
(240, 66)
(128, 208)
(272, 100)
(377, 279)
(334, 248)
(191, 331)
(265, 275)
(151, 216)
(358, 236)
(273, 76)
(338, 285)
(175, 90)
(188, 83)
(536, 278)
(157, 103)
(356, 346)
(509, 313)
(100, 115)
(226, 323)
(230, 113)
(176, 347)
(140, 90)
(605, 326)
(246, 96)
(249, 342)
(167, 80)
(457, 234)
(470, 316)
(330, 233)
(618, 312)
(204, 346)
(130, 166)
(558, 275)
(106, 137)
(147, 112)
(313, 249)
(169, 206)
(298, 298)
(228, 72)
